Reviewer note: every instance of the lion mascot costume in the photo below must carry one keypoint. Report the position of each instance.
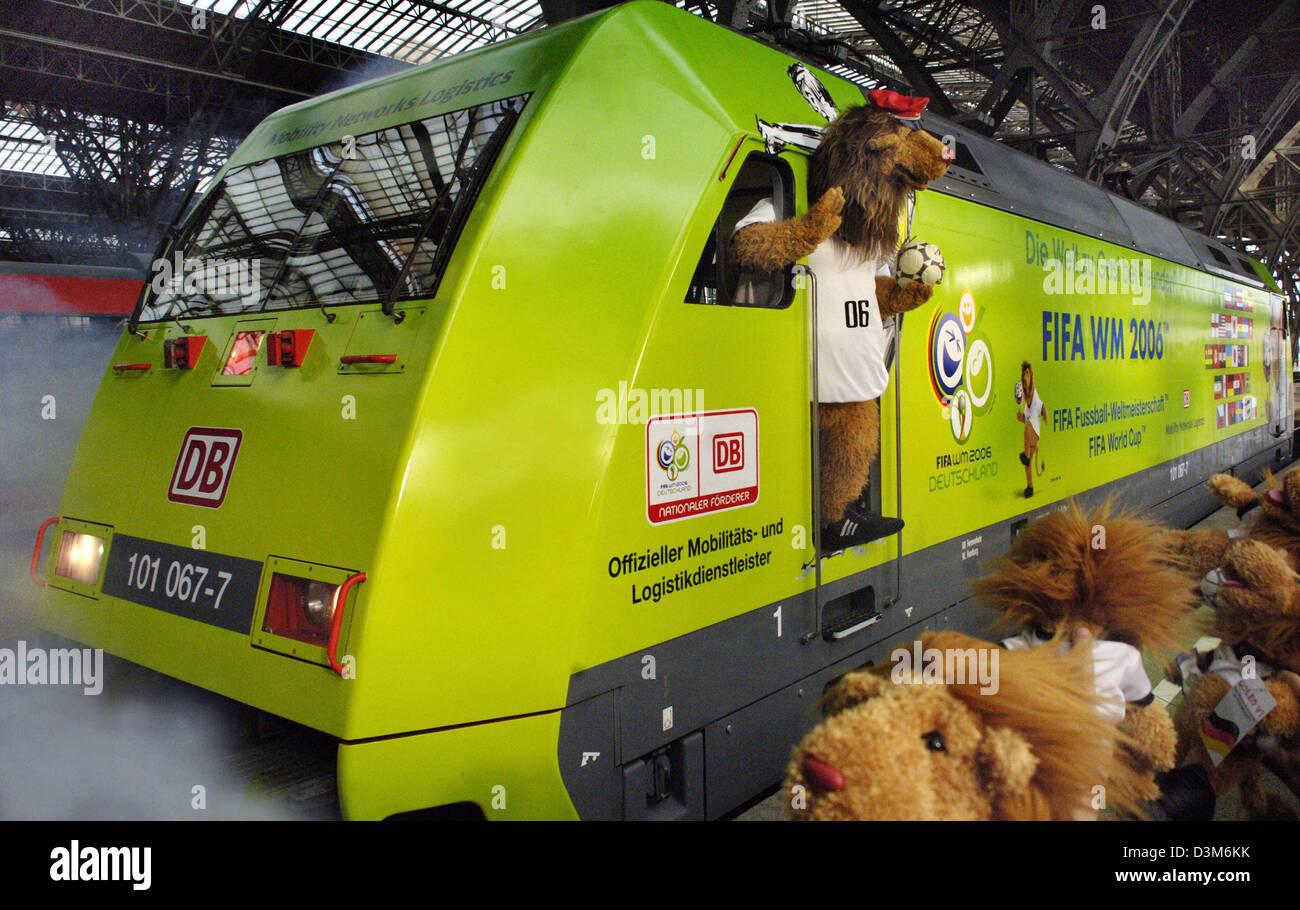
(871, 158)
(1117, 578)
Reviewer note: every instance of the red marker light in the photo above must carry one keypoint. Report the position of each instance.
(288, 348)
(368, 358)
(183, 353)
(300, 608)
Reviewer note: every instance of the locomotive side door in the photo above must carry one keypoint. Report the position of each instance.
(848, 604)
(759, 322)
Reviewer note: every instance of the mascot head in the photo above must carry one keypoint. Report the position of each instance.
(1281, 502)
(891, 751)
(1109, 573)
(1257, 601)
(1027, 380)
(878, 153)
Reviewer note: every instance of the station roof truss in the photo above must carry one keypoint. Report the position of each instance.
(111, 108)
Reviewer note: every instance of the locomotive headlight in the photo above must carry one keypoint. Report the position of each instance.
(79, 557)
(318, 603)
(300, 608)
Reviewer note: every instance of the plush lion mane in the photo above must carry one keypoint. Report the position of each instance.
(1048, 699)
(1132, 589)
(874, 196)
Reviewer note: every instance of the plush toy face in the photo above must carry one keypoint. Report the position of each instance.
(877, 160)
(1035, 748)
(1256, 598)
(909, 752)
(1110, 574)
(1282, 502)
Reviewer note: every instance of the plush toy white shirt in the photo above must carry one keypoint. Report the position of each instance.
(851, 338)
(1119, 675)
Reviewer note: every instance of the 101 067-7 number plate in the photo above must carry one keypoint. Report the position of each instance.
(208, 587)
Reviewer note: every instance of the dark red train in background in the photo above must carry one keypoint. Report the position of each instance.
(58, 326)
(67, 290)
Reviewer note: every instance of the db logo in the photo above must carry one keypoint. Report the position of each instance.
(728, 452)
(202, 471)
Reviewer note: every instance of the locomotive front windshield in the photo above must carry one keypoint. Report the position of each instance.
(365, 219)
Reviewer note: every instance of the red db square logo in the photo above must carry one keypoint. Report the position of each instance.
(202, 471)
(728, 452)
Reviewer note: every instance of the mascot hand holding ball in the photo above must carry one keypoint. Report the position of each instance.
(872, 157)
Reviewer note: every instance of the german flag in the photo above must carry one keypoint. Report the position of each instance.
(1219, 735)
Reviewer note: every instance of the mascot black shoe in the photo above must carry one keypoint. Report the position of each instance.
(858, 527)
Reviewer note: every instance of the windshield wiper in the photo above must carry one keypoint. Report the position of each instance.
(468, 192)
(321, 192)
(169, 236)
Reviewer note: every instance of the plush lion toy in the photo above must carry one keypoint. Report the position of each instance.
(1115, 577)
(861, 175)
(1036, 749)
(1257, 619)
(1273, 519)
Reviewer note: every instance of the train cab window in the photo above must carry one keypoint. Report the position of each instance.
(362, 219)
(716, 281)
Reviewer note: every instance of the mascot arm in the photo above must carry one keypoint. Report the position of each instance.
(1284, 719)
(894, 298)
(1283, 762)
(1150, 730)
(773, 245)
(1202, 549)
(1232, 491)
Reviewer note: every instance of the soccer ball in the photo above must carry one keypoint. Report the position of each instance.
(1020, 392)
(919, 261)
